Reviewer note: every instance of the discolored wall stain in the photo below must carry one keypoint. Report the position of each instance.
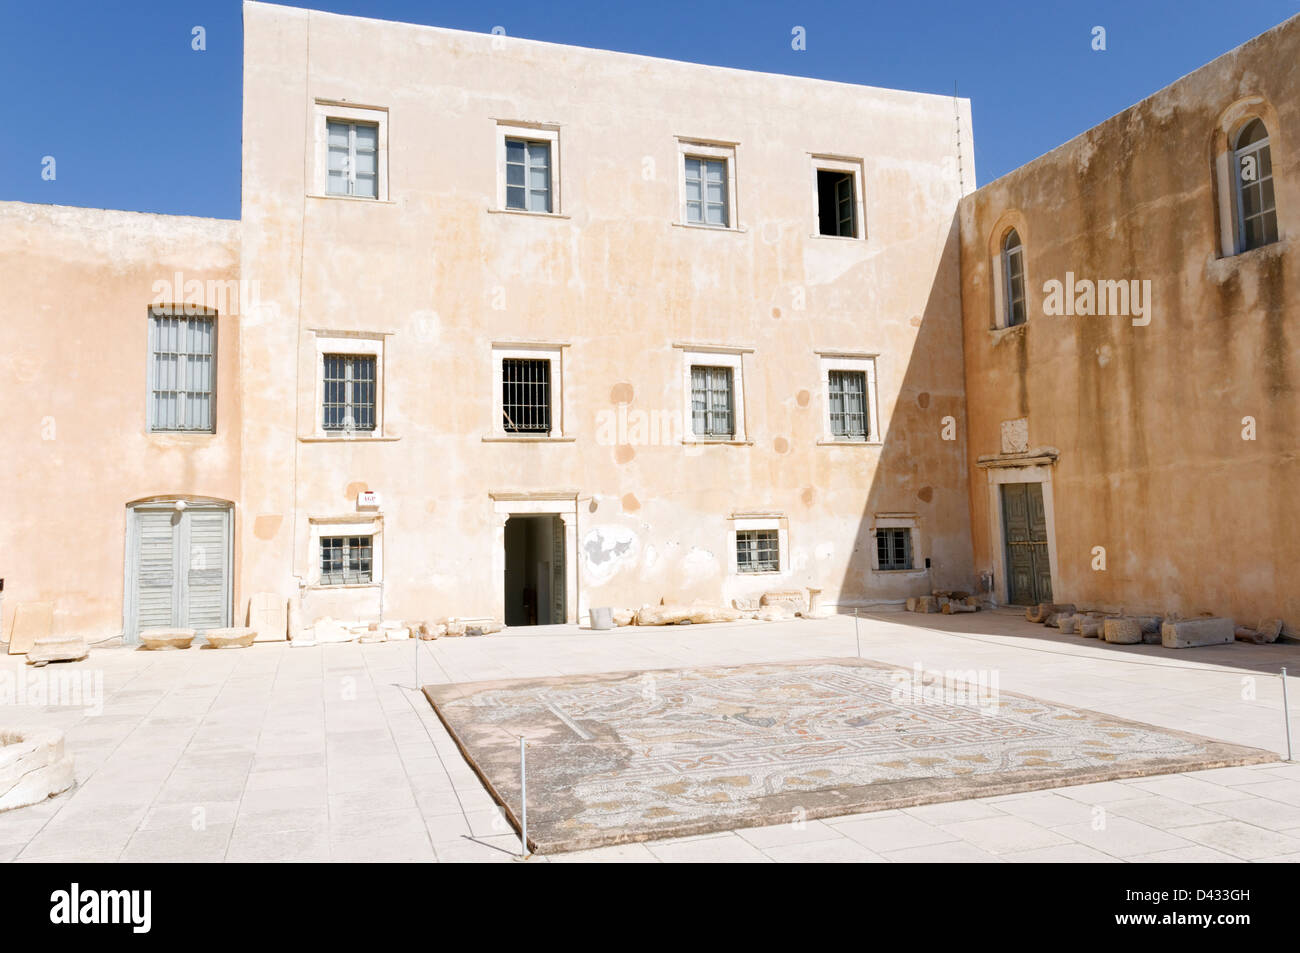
(808, 496)
(593, 506)
(925, 494)
(630, 503)
(776, 312)
(621, 393)
(923, 400)
(265, 527)
(802, 398)
(624, 454)
(353, 489)
(781, 445)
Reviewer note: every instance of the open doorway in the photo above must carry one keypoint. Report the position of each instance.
(535, 572)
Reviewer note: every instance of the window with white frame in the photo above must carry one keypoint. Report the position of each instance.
(708, 184)
(896, 543)
(758, 550)
(182, 370)
(713, 393)
(713, 402)
(849, 390)
(759, 543)
(1256, 203)
(838, 198)
(349, 384)
(528, 380)
(346, 560)
(528, 177)
(348, 392)
(352, 151)
(1013, 280)
(346, 550)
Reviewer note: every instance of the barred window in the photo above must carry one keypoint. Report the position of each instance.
(894, 548)
(525, 395)
(847, 392)
(349, 392)
(711, 402)
(182, 371)
(758, 550)
(528, 175)
(345, 560)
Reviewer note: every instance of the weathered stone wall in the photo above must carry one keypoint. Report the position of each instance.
(1149, 419)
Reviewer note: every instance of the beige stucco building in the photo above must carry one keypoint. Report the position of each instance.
(510, 329)
(1160, 432)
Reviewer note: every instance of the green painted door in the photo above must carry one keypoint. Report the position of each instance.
(1029, 574)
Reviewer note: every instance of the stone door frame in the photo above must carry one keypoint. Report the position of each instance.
(564, 504)
(997, 476)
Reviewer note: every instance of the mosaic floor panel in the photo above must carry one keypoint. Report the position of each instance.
(621, 757)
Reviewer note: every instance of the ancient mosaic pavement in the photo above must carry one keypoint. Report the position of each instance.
(631, 756)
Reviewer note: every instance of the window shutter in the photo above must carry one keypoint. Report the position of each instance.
(206, 569)
(155, 569)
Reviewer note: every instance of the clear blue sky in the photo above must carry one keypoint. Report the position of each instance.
(137, 120)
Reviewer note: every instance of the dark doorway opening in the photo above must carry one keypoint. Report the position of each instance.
(1029, 573)
(534, 576)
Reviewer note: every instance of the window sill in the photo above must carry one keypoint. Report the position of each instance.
(716, 443)
(901, 572)
(187, 435)
(997, 335)
(521, 211)
(694, 226)
(511, 438)
(350, 198)
(850, 443)
(839, 238)
(322, 438)
(326, 587)
(760, 572)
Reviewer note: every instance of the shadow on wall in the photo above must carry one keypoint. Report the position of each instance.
(919, 485)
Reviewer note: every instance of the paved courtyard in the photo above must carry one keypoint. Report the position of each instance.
(332, 753)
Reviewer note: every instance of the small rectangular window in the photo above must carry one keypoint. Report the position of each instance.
(712, 406)
(349, 392)
(1015, 286)
(847, 393)
(346, 560)
(758, 550)
(353, 167)
(528, 175)
(894, 548)
(706, 192)
(525, 395)
(836, 203)
(182, 371)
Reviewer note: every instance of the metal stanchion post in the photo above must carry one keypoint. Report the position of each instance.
(856, 637)
(1286, 715)
(523, 799)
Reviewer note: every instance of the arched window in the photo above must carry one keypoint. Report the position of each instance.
(1256, 211)
(1013, 280)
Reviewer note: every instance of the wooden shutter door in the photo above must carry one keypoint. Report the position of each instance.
(155, 570)
(207, 601)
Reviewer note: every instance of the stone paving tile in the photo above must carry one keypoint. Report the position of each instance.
(894, 832)
(309, 846)
(840, 851)
(1002, 835)
(1288, 792)
(728, 849)
(953, 811)
(953, 852)
(381, 848)
(1121, 837)
(1186, 855)
(1060, 854)
(613, 854)
(180, 844)
(1163, 812)
(1182, 787)
(1241, 840)
(1098, 793)
(1271, 815)
(1048, 809)
(780, 835)
(499, 849)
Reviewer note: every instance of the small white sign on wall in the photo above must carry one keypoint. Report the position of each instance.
(368, 500)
